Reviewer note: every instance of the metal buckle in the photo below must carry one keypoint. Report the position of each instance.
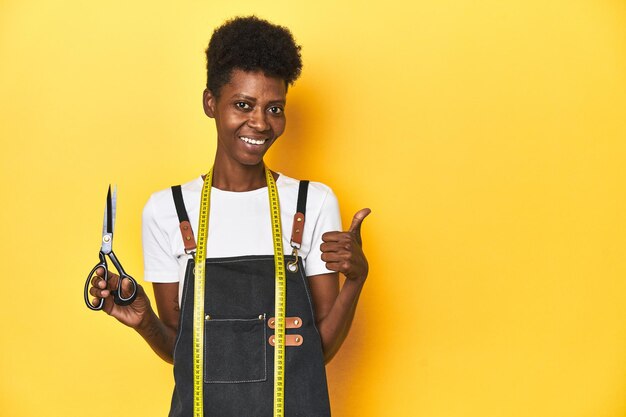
(293, 265)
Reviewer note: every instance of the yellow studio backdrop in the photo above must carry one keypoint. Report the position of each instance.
(487, 137)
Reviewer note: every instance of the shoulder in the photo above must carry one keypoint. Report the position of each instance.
(317, 191)
(321, 202)
(162, 202)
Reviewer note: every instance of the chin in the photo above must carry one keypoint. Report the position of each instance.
(251, 160)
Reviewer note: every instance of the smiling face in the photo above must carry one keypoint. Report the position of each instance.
(249, 116)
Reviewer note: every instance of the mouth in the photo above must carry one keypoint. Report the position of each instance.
(253, 141)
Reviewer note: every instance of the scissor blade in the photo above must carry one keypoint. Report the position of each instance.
(112, 204)
(108, 223)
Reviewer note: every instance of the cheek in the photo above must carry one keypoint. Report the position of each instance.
(230, 122)
(279, 125)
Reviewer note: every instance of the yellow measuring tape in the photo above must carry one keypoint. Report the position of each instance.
(198, 296)
(279, 297)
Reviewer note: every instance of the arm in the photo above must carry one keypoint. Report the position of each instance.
(160, 264)
(334, 308)
(159, 333)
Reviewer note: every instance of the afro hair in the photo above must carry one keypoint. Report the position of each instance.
(251, 44)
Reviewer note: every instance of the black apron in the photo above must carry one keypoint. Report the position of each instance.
(238, 355)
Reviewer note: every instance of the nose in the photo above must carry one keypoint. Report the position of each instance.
(258, 120)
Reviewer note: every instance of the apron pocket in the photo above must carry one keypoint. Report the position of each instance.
(234, 350)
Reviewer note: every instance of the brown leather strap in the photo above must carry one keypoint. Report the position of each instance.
(185, 227)
(290, 340)
(290, 322)
(298, 219)
(188, 239)
(297, 229)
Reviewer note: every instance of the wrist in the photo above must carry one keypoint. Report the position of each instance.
(358, 281)
(147, 321)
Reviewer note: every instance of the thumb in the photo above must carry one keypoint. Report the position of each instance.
(355, 227)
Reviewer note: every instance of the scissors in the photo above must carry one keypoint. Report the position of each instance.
(107, 250)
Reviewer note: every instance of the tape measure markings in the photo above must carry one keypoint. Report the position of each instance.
(279, 297)
(198, 299)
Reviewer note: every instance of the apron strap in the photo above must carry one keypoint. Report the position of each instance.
(185, 227)
(187, 232)
(298, 219)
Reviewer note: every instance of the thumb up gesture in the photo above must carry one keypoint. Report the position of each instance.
(342, 251)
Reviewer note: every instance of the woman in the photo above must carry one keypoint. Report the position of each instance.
(250, 63)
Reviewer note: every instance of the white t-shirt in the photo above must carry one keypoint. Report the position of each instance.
(239, 225)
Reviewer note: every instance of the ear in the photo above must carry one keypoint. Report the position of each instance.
(209, 103)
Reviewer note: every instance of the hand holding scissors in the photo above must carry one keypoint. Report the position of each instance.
(107, 250)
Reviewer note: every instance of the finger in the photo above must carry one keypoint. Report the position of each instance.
(333, 236)
(98, 282)
(100, 272)
(98, 277)
(127, 288)
(113, 282)
(330, 247)
(334, 256)
(96, 292)
(341, 266)
(343, 246)
(108, 305)
(101, 283)
(357, 220)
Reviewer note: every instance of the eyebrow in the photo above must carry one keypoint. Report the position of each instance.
(250, 98)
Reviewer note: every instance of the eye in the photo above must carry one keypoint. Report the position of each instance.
(243, 105)
(276, 110)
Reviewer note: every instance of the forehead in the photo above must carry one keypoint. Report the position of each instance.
(256, 85)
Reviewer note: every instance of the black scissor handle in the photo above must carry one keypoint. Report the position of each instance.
(117, 293)
(118, 298)
(101, 264)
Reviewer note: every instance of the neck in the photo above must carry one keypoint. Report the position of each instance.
(234, 177)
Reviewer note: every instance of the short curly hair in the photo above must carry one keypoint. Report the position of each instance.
(251, 44)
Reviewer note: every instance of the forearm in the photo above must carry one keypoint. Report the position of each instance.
(335, 325)
(160, 337)
(342, 252)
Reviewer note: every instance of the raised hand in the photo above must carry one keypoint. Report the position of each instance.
(342, 251)
(131, 315)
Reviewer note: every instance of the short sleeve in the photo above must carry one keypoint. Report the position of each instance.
(160, 265)
(329, 220)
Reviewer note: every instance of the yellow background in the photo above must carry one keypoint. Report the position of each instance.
(487, 137)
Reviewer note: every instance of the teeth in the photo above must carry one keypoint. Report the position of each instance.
(252, 141)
